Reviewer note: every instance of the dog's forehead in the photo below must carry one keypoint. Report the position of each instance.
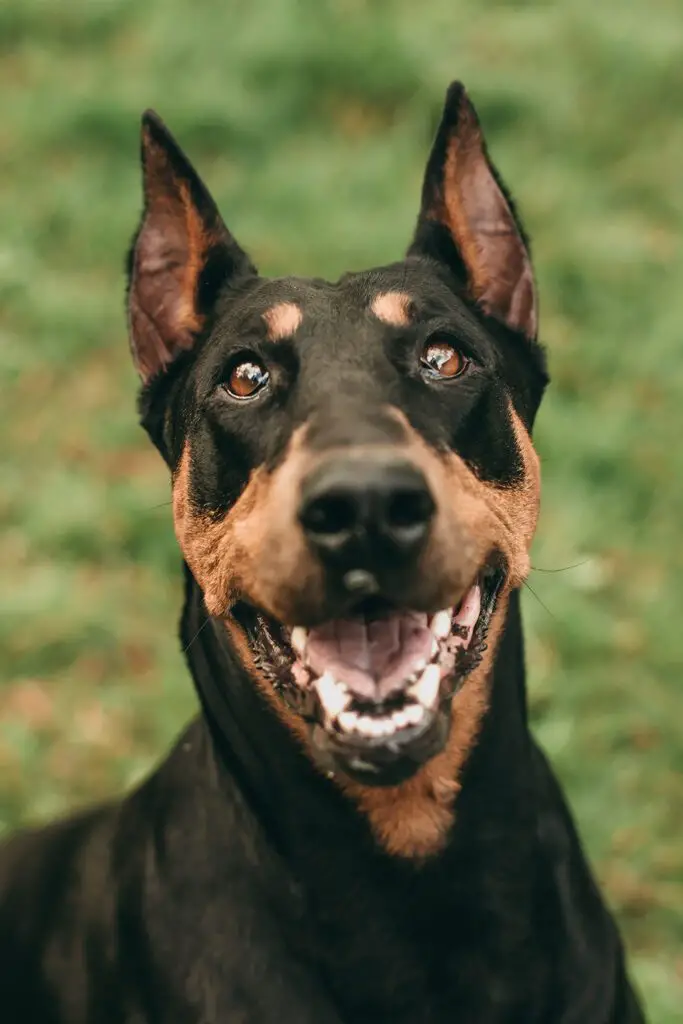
(396, 295)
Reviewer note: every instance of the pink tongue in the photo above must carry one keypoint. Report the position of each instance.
(372, 658)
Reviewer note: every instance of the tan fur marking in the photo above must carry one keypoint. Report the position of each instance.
(282, 320)
(392, 308)
(456, 216)
(256, 550)
(197, 246)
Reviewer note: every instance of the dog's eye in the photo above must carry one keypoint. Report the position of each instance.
(441, 359)
(246, 379)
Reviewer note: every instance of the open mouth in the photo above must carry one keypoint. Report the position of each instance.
(376, 685)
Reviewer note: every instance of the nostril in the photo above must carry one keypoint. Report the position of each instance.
(330, 515)
(364, 513)
(407, 509)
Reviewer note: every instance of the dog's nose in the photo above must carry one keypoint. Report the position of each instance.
(359, 512)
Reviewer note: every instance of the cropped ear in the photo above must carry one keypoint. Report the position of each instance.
(468, 221)
(181, 255)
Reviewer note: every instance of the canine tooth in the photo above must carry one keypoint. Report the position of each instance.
(348, 720)
(427, 689)
(414, 713)
(298, 640)
(333, 695)
(441, 624)
(400, 719)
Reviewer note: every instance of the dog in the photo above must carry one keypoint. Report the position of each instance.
(358, 828)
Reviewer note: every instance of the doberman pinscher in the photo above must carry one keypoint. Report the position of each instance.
(359, 827)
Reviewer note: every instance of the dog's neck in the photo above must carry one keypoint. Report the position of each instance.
(503, 874)
(252, 745)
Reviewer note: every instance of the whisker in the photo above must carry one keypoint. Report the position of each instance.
(541, 602)
(564, 568)
(204, 623)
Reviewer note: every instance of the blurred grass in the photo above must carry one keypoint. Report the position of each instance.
(311, 122)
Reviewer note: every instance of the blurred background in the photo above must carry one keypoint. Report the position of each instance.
(311, 122)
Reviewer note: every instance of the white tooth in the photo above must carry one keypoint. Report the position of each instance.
(298, 640)
(334, 696)
(367, 726)
(399, 719)
(348, 720)
(427, 689)
(414, 712)
(435, 648)
(363, 766)
(469, 612)
(441, 624)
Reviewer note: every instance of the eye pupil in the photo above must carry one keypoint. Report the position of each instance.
(443, 359)
(246, 378)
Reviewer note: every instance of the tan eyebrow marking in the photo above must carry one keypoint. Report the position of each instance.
(392, 308)
(282, 320)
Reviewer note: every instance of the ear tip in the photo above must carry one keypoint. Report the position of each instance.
(152, 125)
(455, 90)
(458, 100)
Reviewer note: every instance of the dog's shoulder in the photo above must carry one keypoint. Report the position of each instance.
(36, 863)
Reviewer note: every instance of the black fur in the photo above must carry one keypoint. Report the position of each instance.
(238, 883)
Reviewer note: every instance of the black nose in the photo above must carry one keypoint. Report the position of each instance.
(359, 512)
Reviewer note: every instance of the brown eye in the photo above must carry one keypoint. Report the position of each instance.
(246, 378)
(442, 359)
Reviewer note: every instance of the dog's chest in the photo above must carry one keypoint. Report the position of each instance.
(285, 957)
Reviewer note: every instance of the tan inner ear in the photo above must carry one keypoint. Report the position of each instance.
(171, 253)
(198, 244)
(478, 217)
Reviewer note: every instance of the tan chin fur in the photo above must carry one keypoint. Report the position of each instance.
(413, 820)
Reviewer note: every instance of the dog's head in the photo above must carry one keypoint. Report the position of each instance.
(354, 486)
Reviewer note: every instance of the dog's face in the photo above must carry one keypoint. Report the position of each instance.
(354, 486)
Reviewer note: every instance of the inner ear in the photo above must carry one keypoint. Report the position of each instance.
(467, 219)
(181, 255)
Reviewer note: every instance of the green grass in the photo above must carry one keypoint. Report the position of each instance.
(311, 121)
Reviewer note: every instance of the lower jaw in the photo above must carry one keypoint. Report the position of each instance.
(382, 763)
